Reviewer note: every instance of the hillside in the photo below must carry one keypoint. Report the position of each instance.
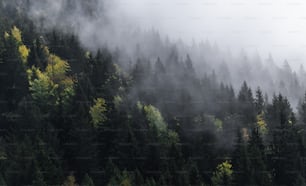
(158, 112)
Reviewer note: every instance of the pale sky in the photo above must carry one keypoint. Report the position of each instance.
(277, 26)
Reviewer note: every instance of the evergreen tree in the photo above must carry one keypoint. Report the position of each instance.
(259, 101)
(241, 161)
(246, 105)
(302, 111)
(259, 174)
(286, 155)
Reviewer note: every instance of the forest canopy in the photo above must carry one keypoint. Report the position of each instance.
(70, 115)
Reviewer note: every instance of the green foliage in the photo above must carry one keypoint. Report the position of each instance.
(98, 111)
(223, 174)
(56, 70)
(53, 83)
(45, 118)
(41, 87)
(155, 119)
(158, 125)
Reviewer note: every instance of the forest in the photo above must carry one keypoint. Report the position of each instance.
(73, 115)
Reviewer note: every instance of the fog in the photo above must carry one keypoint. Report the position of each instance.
(264, 26)
(232, 38)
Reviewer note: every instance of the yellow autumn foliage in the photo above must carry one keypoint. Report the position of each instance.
(56, 68)
(22, 49)
(261, 123)
(16, 33)
(98, 111)
(54, 75)
(223, 174)
(6, 35)
(24, 53)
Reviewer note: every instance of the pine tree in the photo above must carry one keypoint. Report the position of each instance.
(286, 155)
(259, 101)
(302, 111)
(241, 161)
(13, 71)
(259, 174)
(246, 105)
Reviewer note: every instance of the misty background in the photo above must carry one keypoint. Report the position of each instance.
(260, 42)
(264, 26)
(275, 27)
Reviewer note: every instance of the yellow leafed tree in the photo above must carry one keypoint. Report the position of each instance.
(223, 174)
(22, 49)
(261, 123)
(57, 68)
(54, 74)
(98, 111)
(24, 53)
(16, 33)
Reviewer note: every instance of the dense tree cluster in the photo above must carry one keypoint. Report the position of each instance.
(69, 116)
